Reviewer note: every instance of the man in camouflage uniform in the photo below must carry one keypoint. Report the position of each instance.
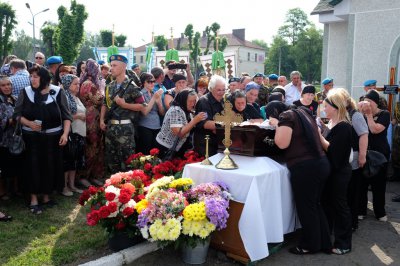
(120, 109)
(264, 92)
(321, 96)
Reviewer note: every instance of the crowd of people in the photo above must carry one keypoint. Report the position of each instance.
(81, 123)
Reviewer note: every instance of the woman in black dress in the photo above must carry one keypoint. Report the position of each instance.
(307, 99)
(337, 141)
(297, 134)
(46, 120)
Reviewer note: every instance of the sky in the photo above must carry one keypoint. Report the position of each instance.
(138, 19)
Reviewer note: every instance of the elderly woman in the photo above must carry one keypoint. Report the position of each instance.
(378, 122)
(180, 84)
(46, 120)
(92, 99)
(211, 103)
(178, 123)
(337, 142)
(307, 99)
(149, 121)
(297, 134)
(74, 159)
(240, 106)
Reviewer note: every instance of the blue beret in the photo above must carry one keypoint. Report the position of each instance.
(101, 62)
(54, 60)
(327, 81)
(370, 82)
(257, 75)
(233, 79)
(273, 77)
(134, 66)
(252, 85)
(118, 57)
(203, 73)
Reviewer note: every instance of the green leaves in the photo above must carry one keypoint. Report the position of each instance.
(7, 24)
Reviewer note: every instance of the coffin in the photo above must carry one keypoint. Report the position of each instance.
(250, 141)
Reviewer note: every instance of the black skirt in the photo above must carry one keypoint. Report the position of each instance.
(74, 159)
(43, 164)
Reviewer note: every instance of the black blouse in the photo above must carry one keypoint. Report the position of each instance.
(340, 139)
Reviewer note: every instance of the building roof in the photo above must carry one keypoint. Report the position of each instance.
(325, 6)
(232, 39)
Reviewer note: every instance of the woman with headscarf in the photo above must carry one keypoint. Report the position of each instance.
(307, 99)
(46, 120)
(74, 159)
(178, 123)
(92, 99)
(240, 106)
(337, 141)
(180, 84)
(378, 121)
(297, 133)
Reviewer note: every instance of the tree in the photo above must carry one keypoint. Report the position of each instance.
(48, 33)
(70, 31)
(262, 44)
(296, 22)
(7, 24)
(120, 40)
(106, 38)
(222, 43)
(279, 52)
(87, 47)
(308, 54)
(194, 44)
(161, 42)
(22, 45)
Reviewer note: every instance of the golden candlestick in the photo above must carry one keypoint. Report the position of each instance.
(228, 118)
(206, 161)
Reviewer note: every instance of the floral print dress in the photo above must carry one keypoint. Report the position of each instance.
(92, 99)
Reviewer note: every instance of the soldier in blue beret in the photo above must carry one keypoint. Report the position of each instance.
(101, 62)
(273, 81)
(327, 84)
(53, 62)
(136, 69)
(264, 91)
(370, 85)
(234, 84)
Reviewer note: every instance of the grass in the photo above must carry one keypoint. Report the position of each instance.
(58, 236)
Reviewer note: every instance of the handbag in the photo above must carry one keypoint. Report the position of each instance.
(17, 145)
(374, 163)
(170, 154)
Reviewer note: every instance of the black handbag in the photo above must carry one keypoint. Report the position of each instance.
(17, 145)
(374, 163)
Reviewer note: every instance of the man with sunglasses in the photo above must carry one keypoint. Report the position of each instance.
(39, 58)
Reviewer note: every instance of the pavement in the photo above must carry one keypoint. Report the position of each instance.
(374, 243)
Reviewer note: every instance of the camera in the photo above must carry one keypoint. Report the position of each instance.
(177, 66)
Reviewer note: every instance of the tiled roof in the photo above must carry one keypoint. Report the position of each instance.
(232, 41)
(325, 6)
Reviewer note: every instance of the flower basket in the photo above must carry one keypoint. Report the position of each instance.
(122, 240)
(197, 254)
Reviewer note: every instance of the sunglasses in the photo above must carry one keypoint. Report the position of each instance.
(151, 81)
(38, 57)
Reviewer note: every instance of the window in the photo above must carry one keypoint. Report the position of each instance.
(248, 56)
(141, 59)
(255, 57)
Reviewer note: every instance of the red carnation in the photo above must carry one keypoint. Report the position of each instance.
(120, 225)
(104, 212)
(92, 190)
(154, 152)
(128, 211)
(112, 207)
(110, 196)
(147, 166)
(92, 218)
(84, 197)
(138, 197)
(124, 196)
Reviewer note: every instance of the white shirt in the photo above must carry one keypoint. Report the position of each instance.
(79, 126)
(292, 93)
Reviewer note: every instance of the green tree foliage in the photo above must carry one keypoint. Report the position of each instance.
(209, 37)
(194, 44)
(48, 38)
(222, 43)
(307, 54)
(189, 34)
(7, 24)
(161, 42)
(22, 45)
(106, 38)
(69, 34)
(296, 22)
(280, 51)
(86, 50)
(120, 40)
(262, 44)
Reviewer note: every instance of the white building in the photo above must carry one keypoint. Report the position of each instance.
(361, 41)
(248, 56)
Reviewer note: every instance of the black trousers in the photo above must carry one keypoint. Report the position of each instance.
(378, 187)
(308, 179)
(336, 207)
(353, 195)
(146, 139)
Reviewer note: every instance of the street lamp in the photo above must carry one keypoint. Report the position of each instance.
(33, 26)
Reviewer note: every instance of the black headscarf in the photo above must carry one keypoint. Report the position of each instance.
(45, 79)
(275, 108)
(181, 101)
